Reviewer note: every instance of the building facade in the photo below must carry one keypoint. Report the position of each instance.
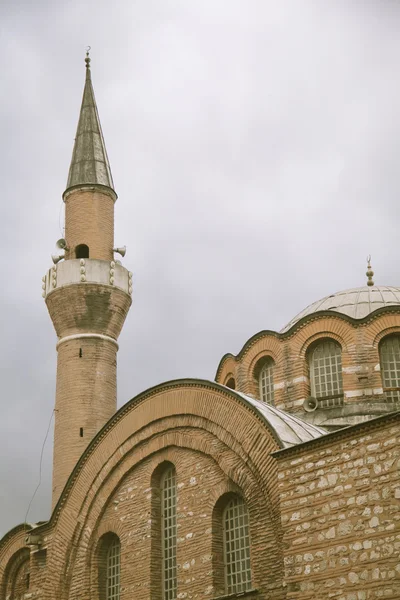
(278, 480)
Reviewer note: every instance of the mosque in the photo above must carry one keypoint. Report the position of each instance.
(278, 480)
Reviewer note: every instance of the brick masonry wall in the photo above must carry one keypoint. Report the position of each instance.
(340, 501)
(360, 359)
(217, 445)
(199, 483)
(89, 219)
(86, 368)
(86, 398)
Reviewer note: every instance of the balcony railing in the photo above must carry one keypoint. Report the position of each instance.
(87, 270)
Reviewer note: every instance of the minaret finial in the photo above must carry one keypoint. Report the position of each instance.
(87, 61)
(369, 272)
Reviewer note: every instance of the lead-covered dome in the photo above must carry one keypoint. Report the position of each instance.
(356, 303)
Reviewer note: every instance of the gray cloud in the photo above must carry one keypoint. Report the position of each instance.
(254, 147)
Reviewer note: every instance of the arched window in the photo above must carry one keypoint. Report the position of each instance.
(266, 381)
(390, 367)
(231, 383)
(82, 251)
(17, 576)
(236, 538)
(326, 373)
(168, 533)
(109, 566)
(113, 562)
(21, 582)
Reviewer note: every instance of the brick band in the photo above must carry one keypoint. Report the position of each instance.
(78, 336)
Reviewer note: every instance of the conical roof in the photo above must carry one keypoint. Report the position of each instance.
(89, 164)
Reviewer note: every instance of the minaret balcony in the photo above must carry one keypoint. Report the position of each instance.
(87, 270)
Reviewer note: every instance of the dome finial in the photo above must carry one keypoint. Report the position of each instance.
(369, 272)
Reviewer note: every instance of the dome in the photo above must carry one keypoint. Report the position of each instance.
(356, 303)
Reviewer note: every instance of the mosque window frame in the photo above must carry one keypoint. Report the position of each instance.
(326, 372)
(113, 575)
(264, 375)
(109, 566)
(168, 505)
(17, 574)
(390, 367)
(235, 521)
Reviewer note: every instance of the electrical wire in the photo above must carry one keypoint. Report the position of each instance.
(40, 468)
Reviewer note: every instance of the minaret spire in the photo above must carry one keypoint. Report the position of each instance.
(89, 164)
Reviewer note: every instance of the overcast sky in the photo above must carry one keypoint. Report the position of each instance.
(255, 148)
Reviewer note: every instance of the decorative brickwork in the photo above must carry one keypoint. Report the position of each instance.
(218, 445)
(359, 342)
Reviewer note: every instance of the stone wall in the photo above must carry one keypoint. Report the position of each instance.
(340, 501)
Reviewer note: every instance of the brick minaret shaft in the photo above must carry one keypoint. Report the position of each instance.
(88, 297)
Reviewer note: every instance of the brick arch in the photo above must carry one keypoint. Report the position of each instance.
(395, 329)
(229, 419)
(267, 345)
(333, 326)
(228, 378)
(322, 335)
(265, 353)
(13, 566)
(176, 432)
(228, 367)
(238, 471)
(97, 560)
(245, 485)
(13, 544)
(109, 526)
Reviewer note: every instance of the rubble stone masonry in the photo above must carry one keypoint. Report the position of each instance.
(340, 512)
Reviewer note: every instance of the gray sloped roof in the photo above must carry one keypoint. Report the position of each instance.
(89, 164)
(290, 429)
(356, 303)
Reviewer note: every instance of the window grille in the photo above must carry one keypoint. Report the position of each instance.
(21, 581)
(236, 546)
(390, 364)
(113, 570)
(266, 382)
(326, 373)
(168, 528)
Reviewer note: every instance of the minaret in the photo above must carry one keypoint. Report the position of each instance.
(88, 296)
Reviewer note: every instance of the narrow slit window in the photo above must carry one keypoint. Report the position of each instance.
(113, 570)
(168, 531)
